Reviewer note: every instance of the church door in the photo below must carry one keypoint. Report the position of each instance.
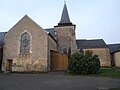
(9, 65)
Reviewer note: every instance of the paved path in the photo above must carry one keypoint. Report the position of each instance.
(54, 81)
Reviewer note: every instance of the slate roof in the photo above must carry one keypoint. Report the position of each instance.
(96, 43)
(65, 20)
(2, 38)
(51, 31)
(65, 16)
(114, 47)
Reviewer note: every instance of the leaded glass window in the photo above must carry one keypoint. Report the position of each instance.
(25, 43)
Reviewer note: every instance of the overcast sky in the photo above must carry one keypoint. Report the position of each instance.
(94, 19)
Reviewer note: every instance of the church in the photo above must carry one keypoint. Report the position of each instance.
(27, 46)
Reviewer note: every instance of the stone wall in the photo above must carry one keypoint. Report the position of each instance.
(37, 59)
(117, 59)
(1, 56)
(66, 38)
(103, 54)
(52, 44)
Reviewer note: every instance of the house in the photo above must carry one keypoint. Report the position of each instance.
(27, 46)
(1, 47)
(98, 47)
(115, 54)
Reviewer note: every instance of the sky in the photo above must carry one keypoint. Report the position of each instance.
(94, 19)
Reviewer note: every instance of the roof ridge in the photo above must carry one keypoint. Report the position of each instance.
(114, 44)
(90, 39)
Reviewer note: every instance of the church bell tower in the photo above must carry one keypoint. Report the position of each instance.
(65, 34)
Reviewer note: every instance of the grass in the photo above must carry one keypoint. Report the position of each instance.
(110, 72)
(114, 89)
(104, 72)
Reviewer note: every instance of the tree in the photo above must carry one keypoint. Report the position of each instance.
(84, 63)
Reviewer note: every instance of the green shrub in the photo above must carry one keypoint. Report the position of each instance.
(86, 63)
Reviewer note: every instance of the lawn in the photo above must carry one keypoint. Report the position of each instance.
(114, 89)
(104, 72)
(110, 72)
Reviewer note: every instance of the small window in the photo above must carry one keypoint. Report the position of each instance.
(25, 43)
(81, 51)
(65, 51)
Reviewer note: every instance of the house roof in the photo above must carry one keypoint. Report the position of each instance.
(114, 47)
(51, 31)
(2, 38)
(96, 43)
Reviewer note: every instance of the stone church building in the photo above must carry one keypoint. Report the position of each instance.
(27, 46)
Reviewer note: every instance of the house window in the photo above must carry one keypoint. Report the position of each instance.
(65, 51)
(25, 43)
(81, 51)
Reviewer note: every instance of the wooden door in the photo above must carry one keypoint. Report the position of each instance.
(59, 61)
(9, 65)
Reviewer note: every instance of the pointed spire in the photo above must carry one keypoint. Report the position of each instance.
(64, 1)
(65, 20)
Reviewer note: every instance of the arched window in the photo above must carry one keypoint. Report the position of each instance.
(25, 43)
